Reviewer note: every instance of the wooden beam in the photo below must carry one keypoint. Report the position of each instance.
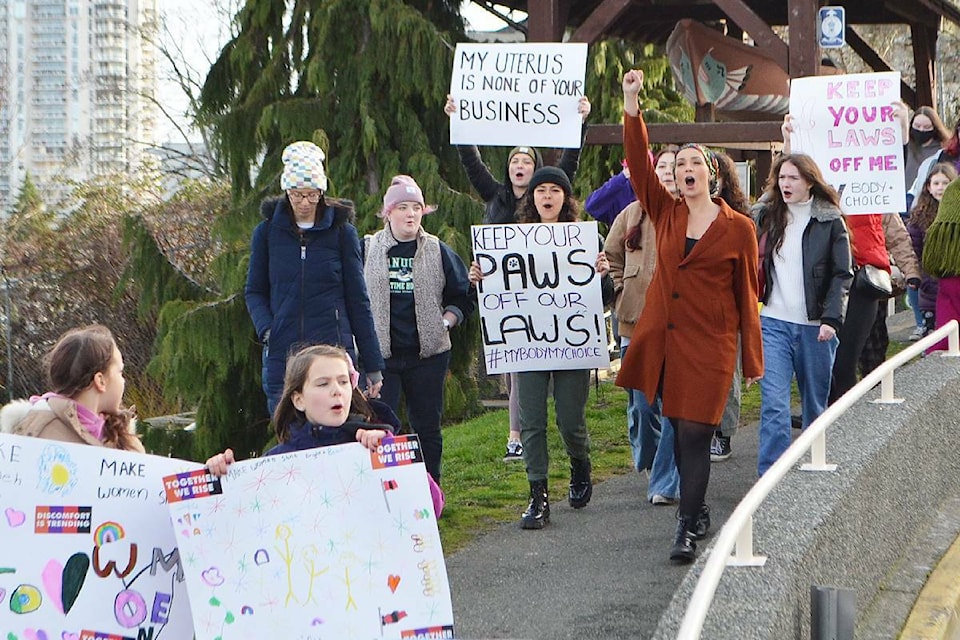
(804, 48)
(942, 8)
(924, 53)
(729, 134)
(914, 12)
(877, 63)
(759, 30)
(597, 23)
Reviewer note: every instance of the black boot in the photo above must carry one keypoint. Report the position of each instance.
(538, 511)
(581, 488)
(702, 524)
(684, 549)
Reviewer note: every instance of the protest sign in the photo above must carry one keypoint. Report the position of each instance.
(846, 124)
(540, 302)
(323, 544)
(88, 549)
(510, 94)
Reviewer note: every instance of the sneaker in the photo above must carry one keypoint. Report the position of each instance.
(918, 332)
(514, 451)
(658, 500)
(720, 449)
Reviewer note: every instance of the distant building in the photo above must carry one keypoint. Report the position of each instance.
(179, 162)
(77, 78)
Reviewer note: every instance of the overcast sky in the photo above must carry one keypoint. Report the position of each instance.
(199, 28)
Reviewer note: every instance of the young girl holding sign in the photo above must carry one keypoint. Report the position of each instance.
(549, 199)
(703, 292)
(85, 372)
(321, 406)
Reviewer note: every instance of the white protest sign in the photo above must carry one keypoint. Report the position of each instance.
(540, 302)
(512, 94)
(323, 544)
(846, 124)
(88, 551)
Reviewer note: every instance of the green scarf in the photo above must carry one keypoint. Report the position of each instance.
(941, 247)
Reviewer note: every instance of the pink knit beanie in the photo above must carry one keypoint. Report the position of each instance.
(404, 189)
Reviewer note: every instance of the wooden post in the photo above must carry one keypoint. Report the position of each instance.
(706, 113)
(924, 50)
(804, 47)
(546, 20)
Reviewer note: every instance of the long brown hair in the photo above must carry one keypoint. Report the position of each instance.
(71, 364)
(774, 220)
(295, 378)
(926, 207)
(730, 189)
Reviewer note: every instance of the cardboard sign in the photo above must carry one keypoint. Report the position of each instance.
(88, 549)
(329, 543)
(846, 124)
(513, 94)
(540, 302)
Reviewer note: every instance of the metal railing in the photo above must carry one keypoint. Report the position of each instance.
(736, 536)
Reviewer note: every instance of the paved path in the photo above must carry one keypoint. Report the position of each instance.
(601, 572)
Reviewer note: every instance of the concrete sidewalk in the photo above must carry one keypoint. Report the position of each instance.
(600, 572)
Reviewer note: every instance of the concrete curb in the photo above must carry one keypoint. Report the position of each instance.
(934, 616)
(845, 528)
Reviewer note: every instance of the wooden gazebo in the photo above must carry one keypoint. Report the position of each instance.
(652, 20)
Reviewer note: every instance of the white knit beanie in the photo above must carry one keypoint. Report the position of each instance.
(303, 167)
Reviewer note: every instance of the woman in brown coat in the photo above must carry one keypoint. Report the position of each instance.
(704, 292)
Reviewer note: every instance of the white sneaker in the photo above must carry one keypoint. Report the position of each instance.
(918, 333)
(658, 500)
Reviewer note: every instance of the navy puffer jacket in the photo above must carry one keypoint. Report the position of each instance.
(307, 287)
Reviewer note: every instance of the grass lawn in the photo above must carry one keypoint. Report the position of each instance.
(483, 491)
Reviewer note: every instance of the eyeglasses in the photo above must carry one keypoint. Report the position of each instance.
(312, 196)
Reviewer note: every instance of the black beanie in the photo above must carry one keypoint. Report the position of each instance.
(551, 175)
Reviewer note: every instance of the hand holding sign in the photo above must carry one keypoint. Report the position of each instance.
(501, 93)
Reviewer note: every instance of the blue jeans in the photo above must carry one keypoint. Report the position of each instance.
(913, 299)
(421, 382)
(651, 451)
(790, 349)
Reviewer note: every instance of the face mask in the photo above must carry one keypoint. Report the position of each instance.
(921, 137)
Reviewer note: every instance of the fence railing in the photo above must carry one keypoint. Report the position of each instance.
(734, 543)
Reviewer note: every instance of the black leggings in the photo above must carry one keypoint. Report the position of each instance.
(859, 320)
(691, 447)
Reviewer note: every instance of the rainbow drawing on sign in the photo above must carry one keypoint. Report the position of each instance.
(107, 532)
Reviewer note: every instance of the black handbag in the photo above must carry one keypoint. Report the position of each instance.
(873, 282)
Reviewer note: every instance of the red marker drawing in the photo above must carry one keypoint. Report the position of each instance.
(388, 485)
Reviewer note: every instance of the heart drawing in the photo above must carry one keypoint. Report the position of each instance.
(15, 518)
(393, 582)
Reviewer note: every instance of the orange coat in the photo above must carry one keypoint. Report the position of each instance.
(696, 305)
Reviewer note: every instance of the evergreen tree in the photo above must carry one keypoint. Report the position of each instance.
(29, 216)
(366, 80)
